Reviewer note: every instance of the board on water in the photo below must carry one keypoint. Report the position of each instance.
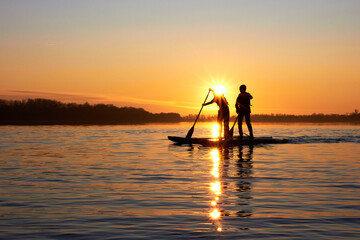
(235, 141)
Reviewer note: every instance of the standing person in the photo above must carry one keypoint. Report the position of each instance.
(223, 113)
(243, 109)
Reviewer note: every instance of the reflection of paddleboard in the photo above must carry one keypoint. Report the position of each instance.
(235, 141)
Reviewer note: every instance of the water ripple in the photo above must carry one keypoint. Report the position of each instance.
(129, 182)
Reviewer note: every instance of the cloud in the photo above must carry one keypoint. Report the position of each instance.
(65, 97)
(121, 101)
(155, 102)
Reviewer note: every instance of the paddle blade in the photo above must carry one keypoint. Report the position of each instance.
(190, 133)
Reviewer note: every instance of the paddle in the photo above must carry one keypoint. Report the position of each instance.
(191, 131)
(231, 132)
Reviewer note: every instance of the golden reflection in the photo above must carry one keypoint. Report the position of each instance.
(215, 187)
(215, 155)
(216, 162)
(215, 214)
(220, 170)
(215, 173)
(215, 130)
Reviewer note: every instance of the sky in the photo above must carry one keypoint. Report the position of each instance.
(295, 57)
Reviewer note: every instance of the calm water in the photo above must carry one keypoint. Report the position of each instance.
(123, 182)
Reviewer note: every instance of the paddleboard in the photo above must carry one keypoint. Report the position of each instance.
(235, 141)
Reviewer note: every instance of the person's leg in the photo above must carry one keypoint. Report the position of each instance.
(226, 125)
(240, 120)
(219, 122)
(248, 123)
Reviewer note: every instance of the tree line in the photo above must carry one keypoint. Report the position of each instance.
(45, 111)
(353, 117)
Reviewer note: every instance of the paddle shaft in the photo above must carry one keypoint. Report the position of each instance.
(201, 108)
(192, 128)
(231, 132)
(235, 122)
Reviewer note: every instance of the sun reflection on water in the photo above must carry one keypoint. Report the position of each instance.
(215, 130)
(215, 187)
(215, 214)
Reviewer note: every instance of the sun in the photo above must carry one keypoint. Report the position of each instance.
(219, 89)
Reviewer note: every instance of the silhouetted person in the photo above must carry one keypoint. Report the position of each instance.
(243, 109)
(223, 113)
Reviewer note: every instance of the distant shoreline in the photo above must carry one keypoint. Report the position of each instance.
(290, 118)
(150, 123)
(50, 112)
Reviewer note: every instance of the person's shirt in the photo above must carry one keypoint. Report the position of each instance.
(243, 102)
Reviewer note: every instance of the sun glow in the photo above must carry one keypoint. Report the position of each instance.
(219, 90)
(215, 130)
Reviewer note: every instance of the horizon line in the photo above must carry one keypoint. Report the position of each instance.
(184, 115)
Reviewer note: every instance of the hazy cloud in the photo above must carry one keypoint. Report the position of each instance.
(121, 101)
(65, 97)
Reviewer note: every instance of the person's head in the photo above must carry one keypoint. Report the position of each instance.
(243, 88)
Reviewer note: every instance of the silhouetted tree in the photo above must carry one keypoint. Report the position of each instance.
(45, 111)
(315, 117)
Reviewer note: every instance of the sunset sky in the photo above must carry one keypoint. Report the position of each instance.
(296, 57)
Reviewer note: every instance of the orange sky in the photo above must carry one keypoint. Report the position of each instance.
(295, 57)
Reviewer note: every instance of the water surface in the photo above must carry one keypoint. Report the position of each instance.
(123, 182)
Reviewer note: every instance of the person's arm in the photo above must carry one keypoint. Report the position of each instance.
(212, 101)
(251, 97)
(238, 99)
(241, 106)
